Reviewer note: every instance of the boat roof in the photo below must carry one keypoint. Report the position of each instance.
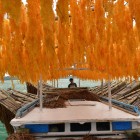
(75, 111)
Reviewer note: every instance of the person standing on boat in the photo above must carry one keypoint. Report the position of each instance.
(72, 84)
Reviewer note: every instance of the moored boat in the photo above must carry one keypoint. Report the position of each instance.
(77, 118)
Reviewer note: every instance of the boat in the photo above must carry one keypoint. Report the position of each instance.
(77, 118)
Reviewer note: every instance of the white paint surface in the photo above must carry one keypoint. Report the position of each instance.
(81, 113)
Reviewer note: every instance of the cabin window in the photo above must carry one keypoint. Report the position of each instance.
(80, 127)
(57, 127)
(103, 126)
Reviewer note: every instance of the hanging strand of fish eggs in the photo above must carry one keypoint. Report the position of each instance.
(108, 56)
(1, 32)
(116, 40)
(70, 54)
(119, 35)
(120, 43)
(16, 67)
(135, 10)
(137, 55)
(33, 40)
(75, 55)
(5, 44)
(63, 30)
(91, 33)
(131, 45)
(108, 45)
(23, 32)
(107, 50)
(92, 37)
(77, 41)
(48, 49)
(124, 41)
(86, 37)
(100, 47)
(12, 8)
(129, 42)
(6, 48)
(1, 20)
(84, 6)
(91, 22)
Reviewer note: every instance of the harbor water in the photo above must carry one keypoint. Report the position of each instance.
(3, 133)
(62, 83)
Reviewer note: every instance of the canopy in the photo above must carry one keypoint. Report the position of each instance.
(100, 36)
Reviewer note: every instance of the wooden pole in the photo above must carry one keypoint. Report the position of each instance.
(41, 96)
(79, 82)
(102, 87)
(57, 83)
(54, 82)
(38, 89)
(109, 95)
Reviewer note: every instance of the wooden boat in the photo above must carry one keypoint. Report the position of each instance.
(78, 118)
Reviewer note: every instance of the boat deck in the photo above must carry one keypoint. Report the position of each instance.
(76, 111)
